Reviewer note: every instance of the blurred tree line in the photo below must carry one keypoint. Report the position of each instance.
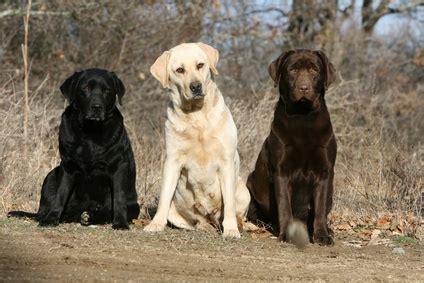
(128, 36)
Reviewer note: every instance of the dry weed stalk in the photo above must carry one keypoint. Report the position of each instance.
(26, 75)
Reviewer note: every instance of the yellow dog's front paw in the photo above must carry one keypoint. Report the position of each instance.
(231, 233)
(154, 227)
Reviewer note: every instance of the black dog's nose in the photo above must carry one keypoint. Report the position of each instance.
(196, 87)
(96, 107)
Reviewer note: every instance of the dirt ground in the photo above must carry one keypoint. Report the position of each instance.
(72, 252)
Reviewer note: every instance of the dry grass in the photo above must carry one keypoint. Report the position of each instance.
(375, 171)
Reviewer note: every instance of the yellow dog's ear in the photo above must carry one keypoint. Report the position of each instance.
(212, 54)
(159, 69)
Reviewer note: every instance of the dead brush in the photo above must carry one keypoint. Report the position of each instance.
(375, 170)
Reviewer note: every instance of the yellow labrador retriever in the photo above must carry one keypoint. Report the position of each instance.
(201, 187)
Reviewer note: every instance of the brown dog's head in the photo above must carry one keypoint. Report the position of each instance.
(302, 77)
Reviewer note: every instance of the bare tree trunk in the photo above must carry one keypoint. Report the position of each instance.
(191, 13)
(312, 22)
(370, 17)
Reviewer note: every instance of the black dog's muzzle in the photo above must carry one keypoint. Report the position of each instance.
(96, 112)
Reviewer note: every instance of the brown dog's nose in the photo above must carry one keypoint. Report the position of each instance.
(304, 88)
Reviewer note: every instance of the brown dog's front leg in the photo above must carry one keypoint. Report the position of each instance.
(321, 192)
(283, 197)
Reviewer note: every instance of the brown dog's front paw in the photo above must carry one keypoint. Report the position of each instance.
(323, 240)
(282, 237)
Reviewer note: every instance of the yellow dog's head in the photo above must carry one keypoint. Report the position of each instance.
(186, 71)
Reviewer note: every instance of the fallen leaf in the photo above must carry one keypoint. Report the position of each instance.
(365, 235)
(383, 222)
(343, 227)
(140, 222)
(374, 237)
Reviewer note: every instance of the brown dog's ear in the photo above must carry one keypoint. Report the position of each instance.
(159, 69)
(329, 70)
(274, 69)
(68, 87)
(212, 54)
(118, 87)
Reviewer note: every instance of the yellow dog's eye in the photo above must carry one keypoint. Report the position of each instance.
(200, 65)
(180, 70)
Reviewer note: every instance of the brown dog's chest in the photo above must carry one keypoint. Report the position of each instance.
(305, 164)
(303, 153)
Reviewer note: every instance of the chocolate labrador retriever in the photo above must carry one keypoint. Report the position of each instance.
(95, 181)
(293, 176)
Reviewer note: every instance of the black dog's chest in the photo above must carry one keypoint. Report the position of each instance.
(90, 159)
(88, 151)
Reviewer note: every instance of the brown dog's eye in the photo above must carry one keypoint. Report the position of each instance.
(313, 71)
(180, 70)
(200, 65)
(293, 71)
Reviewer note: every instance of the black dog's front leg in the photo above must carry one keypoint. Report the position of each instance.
(120, 183)
(283, 197)
(56, 207)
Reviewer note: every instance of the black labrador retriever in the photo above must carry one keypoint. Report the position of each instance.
(95, 181)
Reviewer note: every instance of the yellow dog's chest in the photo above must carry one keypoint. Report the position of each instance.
(200, 147)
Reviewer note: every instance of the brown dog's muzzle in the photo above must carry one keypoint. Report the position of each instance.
(303, 90)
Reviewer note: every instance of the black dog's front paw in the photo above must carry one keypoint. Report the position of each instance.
(323, 240)
(48, 222)
(120, 226)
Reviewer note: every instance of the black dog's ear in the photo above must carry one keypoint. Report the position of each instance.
(118, 87)
(274, 69)
(68, 87)
(329, 70)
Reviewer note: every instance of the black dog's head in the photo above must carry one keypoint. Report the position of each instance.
(93, 92)
(302, 77)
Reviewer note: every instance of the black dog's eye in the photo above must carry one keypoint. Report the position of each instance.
(180, 70)
(85, 88)
(200, 65)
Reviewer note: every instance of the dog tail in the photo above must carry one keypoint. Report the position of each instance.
(297, 234)
(22, 214)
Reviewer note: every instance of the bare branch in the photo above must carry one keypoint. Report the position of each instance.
(26, 74)
(370, 17)
(18, 12)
